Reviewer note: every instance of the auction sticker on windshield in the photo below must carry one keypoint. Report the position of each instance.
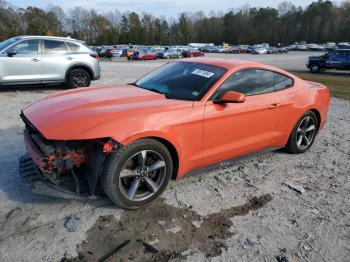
(203, 73)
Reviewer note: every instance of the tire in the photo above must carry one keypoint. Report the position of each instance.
(118, 182)
(314, 68)
(78, 78)
(300, 130)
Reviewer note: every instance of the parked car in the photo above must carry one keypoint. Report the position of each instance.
(210, 49)
(234, 50)
(259, 51)
(330, 46)
(243, 49)
(44, 59)
(117, 53)
(301, 47)
(337, 59)
(272, 50)
(108, 53)
(86, 138)
(169, 53)
(144, 55)
(292, 47)
(225, 50)
(344, 45)
(192, 53)
(283, 50)
(129, 54)
(315, 47)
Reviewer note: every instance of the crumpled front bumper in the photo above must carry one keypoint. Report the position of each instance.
(40, 185)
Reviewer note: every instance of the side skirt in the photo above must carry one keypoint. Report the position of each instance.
(231, 161)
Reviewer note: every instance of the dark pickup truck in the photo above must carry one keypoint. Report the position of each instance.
(337, 59)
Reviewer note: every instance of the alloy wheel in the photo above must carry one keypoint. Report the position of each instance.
(142, 175)
(80, 80)
(305, 133)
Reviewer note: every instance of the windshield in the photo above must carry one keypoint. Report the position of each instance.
(182, 80)
(7, 42)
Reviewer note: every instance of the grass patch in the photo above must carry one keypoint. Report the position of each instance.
(339, 85)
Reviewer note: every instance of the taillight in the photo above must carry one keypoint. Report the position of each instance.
(95, 56)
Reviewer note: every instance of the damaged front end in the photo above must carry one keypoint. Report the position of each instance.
(66, 169)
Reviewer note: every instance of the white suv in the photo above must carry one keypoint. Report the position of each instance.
(44, 59)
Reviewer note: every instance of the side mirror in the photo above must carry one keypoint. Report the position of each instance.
(11, 52)
(231, 97)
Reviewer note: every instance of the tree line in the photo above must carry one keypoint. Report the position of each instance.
(319, 22)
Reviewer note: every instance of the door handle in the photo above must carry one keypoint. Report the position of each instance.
(35, 60)
(69, 58)
(274, 105)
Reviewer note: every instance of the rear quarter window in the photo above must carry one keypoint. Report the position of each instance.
(73, 47)
(282, 82)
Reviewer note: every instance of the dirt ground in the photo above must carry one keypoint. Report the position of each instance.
(240, 211)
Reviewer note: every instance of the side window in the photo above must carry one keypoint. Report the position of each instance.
(55, 47)
(282, 82)
(27, 47)
(73, 47)
(249, 82)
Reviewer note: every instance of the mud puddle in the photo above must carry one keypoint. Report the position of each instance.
(160, 232)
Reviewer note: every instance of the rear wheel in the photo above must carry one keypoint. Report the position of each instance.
(79, 78)
(137, 174)
(303, 134)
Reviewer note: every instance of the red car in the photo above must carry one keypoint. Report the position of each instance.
(140, 55)
(132, 139)
(192, 53)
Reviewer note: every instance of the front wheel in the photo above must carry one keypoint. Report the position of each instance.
(314, 68)
(303, 134)
(78, 78)
(137, 174)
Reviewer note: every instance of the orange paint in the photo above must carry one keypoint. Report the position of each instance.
(202, 132)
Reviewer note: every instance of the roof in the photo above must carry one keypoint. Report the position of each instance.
(222, 62)
(232, 63)
(48, 37)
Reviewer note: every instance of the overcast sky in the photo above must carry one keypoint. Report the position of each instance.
(156, 7)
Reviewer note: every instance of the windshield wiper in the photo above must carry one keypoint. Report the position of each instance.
(132, 84)
(153, 90)
(167, 96)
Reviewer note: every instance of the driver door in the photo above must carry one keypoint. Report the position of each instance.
(234, 129)
(333, 60)
(24, 66)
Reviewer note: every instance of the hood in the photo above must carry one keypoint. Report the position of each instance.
(314, 57)
(72, 114)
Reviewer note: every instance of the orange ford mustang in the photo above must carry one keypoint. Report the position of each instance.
(129, 140)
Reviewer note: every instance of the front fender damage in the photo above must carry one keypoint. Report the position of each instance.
(65, 169)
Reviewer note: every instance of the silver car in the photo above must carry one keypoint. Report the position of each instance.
(44, 60)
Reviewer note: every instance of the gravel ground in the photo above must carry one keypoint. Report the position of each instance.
(313, 226)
